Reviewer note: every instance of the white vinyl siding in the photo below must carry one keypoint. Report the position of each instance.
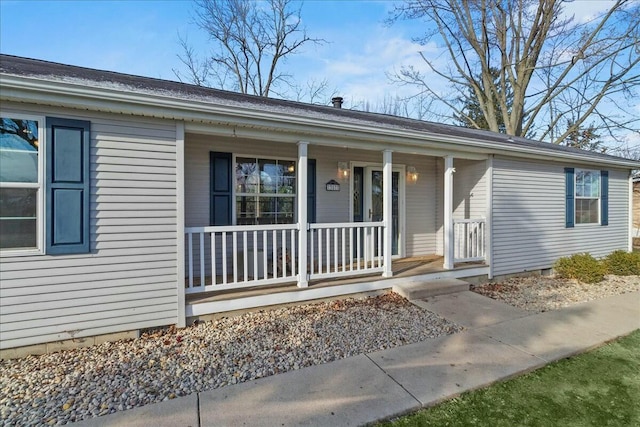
(529, 231)
(128, 280)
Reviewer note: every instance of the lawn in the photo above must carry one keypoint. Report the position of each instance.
(598, 388)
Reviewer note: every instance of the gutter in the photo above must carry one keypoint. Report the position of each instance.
(75, 95)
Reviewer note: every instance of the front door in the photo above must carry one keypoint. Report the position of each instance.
(368, 200)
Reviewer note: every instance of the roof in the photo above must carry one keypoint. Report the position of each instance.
(39, 70)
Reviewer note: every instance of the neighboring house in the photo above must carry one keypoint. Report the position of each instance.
(129, 202)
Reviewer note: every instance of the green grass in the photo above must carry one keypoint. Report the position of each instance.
(598, 388)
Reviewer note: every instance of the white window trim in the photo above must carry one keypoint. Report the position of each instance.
(575, 198)
(234, 193)
(40, 185)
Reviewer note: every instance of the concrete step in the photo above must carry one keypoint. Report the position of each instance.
(429, 288)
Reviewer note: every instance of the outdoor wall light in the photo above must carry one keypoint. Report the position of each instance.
(343, 169)
(412, 174)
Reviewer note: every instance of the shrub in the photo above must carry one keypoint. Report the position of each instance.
(622, 263)
(582, 267)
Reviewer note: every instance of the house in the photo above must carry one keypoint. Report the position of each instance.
(129, 202)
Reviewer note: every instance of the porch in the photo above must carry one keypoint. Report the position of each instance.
(288, 225)
(422, 268)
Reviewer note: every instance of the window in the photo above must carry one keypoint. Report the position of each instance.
(265, 191)
(44, 184)
(587, 199)
(20, 182)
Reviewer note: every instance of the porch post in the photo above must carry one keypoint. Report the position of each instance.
(387, 211)
(449, 237)
(181, 320)
(302, 214)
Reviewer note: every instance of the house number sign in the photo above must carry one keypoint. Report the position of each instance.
(333, 185)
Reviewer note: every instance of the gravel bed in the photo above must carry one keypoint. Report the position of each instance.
(67, 386)
(545, 293)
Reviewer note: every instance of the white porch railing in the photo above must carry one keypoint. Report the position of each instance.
(229, 257)
(345, 249)
(469, 239)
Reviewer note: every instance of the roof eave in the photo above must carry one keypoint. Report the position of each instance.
(74, 95)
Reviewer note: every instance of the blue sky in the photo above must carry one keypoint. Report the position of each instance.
(141, 37)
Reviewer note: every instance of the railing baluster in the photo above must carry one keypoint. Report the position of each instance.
(234, 266)
(351, 247)
(284, 253)
(255, 255)
(213, 258)
(245, 254)
(335, 250)
(319, 250)
(380, 254)
(373, 245)
(358, 247)
(294, 254)
(311, 254)
(265, 259)
(224, 257)
(202, 258)
(190, 239)
(274, 254)
(344, 253)
(328, 270)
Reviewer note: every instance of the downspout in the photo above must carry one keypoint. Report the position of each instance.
(630, 246)
(489, 216)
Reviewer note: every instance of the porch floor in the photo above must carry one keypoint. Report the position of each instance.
(403, 267)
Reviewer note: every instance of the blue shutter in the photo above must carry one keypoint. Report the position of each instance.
(604, 197)
(311, 190)
(570, 196)
(67, 186)
(220, 197)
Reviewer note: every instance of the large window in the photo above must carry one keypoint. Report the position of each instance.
(265, 191)
(20, 182)
(587, 199)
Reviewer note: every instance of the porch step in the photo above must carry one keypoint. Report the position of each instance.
(420, 290)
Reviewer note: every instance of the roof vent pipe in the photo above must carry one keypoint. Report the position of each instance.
(337, 102)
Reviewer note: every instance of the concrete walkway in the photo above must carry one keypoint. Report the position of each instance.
(499, 342)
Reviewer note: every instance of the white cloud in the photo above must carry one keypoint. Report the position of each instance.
(585, 10)
(359, 68)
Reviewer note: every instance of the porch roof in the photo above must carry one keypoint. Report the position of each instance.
(71, 86)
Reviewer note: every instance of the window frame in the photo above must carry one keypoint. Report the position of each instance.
(576, 197)
(39, 186)
(235, 194)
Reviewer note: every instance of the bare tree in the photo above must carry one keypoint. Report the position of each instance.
(313, 92)
(251, 40)
(557, 71)
(416, 107)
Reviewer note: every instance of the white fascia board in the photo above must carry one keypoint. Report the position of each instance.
(117, 100)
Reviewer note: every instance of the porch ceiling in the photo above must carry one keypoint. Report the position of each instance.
(370, 142)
